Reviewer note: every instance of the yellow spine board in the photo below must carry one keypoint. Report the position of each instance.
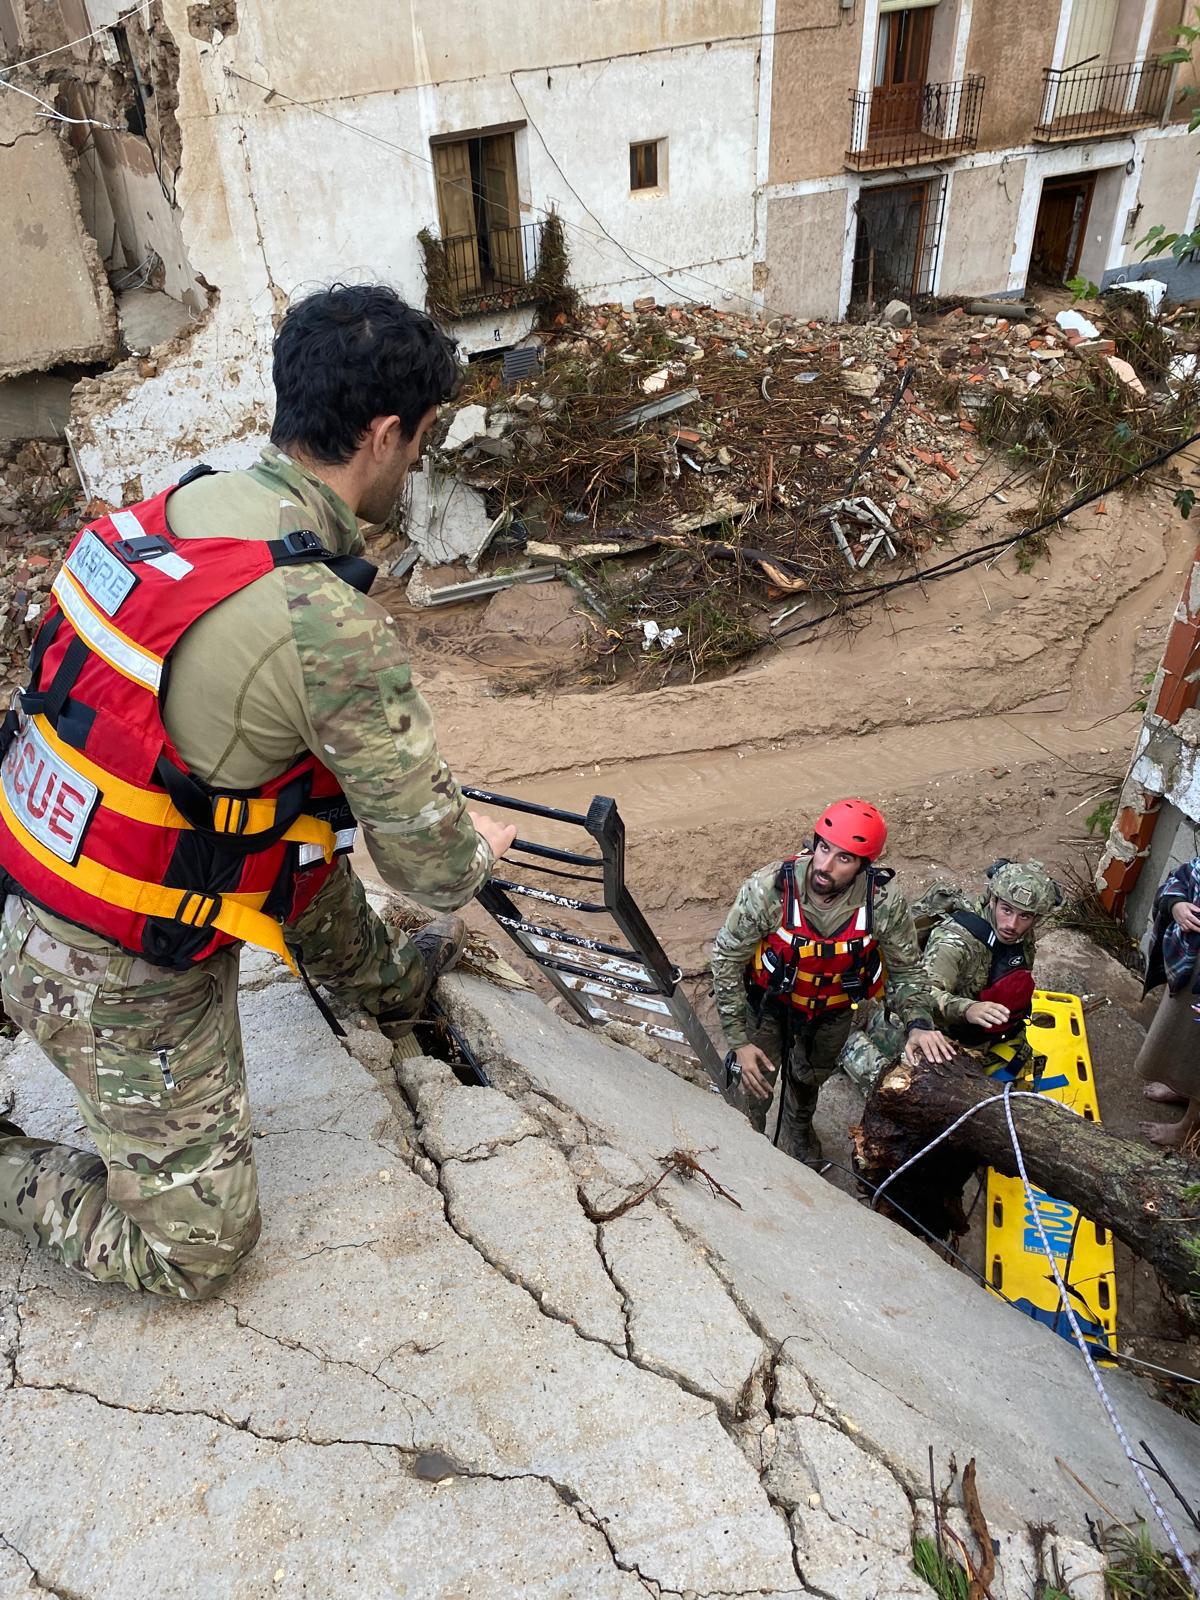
(1016, 1265)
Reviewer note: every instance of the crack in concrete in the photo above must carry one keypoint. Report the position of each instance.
(481, 1152)
(39, 1581)
(350, 1244)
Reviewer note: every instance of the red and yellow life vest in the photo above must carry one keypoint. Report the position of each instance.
(812, 971)
(101, 823)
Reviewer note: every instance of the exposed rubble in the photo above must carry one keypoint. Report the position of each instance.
(686, 468)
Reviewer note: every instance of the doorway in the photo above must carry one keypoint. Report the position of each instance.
(901, 68)
(897, 242)
(480, 211)
(1058, 233)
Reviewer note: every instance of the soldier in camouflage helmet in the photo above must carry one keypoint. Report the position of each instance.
(979, 960)
(297, 661)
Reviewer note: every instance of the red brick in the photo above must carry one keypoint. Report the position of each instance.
(1175, 697)
(1136, 826)
(1180, 653)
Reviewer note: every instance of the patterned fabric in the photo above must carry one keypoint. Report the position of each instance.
(1179, 949)
(168, 1202)
(756, 912)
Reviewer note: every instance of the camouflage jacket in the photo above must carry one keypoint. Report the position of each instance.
(958, 964)
(756, 913)
(300, 660)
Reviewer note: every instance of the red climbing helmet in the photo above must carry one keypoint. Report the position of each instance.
(854, 825)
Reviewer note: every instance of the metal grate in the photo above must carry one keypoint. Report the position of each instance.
(897, 242)
(908, 123)
(1078, 102)
(594, 969)
(521, 363)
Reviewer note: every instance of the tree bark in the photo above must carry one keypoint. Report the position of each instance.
(1136, 1190)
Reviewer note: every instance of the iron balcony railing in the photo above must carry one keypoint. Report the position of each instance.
(909, 123)
(1078, 102)
(494, 266)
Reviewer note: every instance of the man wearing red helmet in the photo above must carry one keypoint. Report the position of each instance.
(808, 941)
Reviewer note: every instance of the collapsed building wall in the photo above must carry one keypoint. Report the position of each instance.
(304, 159)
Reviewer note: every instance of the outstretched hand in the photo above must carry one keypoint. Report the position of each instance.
(928, 1044)
(498, 835)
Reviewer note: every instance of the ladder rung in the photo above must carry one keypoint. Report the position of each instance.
(544, 894)
(570, 938)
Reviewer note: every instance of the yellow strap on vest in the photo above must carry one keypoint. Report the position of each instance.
(140, 805)
(238, 915)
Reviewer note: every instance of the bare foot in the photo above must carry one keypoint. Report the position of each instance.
(1171, 1135)
(1162, 1094)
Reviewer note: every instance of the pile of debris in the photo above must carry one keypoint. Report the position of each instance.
(685, 468)
(41, 508)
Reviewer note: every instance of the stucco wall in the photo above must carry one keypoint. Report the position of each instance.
(816, 67)
(313, 171)
(1011, 50)
(806, 238)
(980, 229)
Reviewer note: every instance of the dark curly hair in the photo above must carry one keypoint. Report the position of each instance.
(348, 354)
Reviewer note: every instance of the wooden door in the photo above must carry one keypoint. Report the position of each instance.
(456, 209)
(901, 65)
(502, 207)
(1058, 232)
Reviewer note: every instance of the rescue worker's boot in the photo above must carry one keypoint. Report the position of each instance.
(440, 943)
(798, 1136)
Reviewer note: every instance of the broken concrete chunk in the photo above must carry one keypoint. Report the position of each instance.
(1076, 322)
(446, 519)
(897, 314)
(469, 424)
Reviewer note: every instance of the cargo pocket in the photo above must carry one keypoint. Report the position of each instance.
(162, 1045)
(45, 998)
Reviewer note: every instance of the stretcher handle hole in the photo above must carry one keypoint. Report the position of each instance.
(1041, 1019)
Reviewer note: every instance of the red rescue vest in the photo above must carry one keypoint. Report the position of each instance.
(100, 821)
(817, 972)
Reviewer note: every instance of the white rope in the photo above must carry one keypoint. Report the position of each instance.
(57, 116)
(945, 1134)
(143, 6)
(1031, 1206)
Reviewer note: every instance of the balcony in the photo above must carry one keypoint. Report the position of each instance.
(491, 270)
(906, 124)
(1092, 102)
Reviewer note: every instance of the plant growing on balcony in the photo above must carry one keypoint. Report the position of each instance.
(441, 296)
(550, 285)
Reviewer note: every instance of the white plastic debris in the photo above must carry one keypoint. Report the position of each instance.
(1183, 367)
(664, 638)
(1153, 288)
(1076, 322)
(656, 382)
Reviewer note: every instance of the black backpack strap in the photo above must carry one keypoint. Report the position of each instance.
(201, 470)
(304, 545)
(978, 927)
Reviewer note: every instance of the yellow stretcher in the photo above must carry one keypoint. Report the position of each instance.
(1017, 1268)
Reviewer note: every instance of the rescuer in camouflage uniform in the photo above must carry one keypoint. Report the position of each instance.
(297, 660)
(755, 1031)
(959, 966)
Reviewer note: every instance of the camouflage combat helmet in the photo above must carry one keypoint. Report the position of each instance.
(1024, 884)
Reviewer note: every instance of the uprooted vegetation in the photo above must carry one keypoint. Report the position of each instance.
(699, 477)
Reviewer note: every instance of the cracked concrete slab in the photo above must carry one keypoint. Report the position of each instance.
(520, 1209)
(897, 1347)
(177, 1509)
(681, 1320)
(363, 1322)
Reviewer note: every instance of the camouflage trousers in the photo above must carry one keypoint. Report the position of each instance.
(169, 1201)
(813, 1059)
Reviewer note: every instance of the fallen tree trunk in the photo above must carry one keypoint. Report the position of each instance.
(1139, 1192)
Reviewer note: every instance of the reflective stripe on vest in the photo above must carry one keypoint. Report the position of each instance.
(797, 965)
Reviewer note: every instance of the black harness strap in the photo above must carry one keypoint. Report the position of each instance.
(49, 702)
